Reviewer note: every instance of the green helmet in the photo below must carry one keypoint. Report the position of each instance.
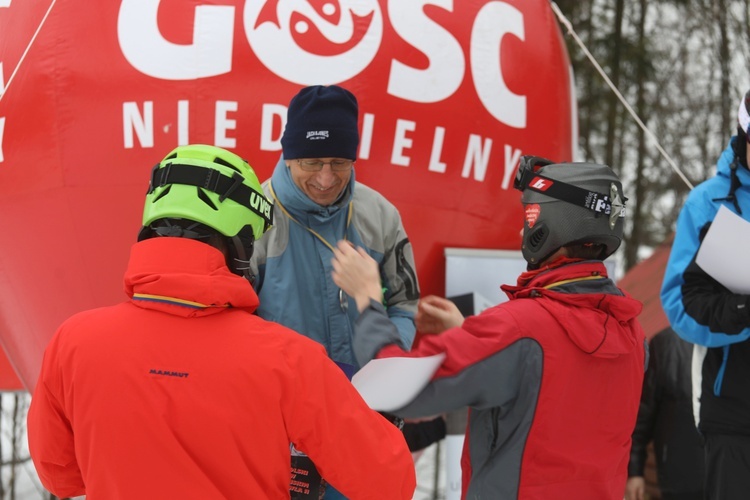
(211, 186)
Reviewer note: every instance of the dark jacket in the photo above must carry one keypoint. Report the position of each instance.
(666, 417)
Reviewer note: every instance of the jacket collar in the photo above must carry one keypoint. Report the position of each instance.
(297, 202)
(551, 272)
(583, 299)
(184, 277)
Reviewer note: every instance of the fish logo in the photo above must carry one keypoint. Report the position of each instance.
(315, 41)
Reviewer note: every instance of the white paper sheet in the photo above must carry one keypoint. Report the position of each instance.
(723, 253)
(390, 383)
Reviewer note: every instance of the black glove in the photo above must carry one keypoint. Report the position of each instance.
(397, 421)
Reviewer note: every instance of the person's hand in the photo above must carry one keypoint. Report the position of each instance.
(357, 274)
(635, 488)
(436, 314)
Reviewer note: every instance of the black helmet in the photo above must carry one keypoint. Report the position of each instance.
(568, 204)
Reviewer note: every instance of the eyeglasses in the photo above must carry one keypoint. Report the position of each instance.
(338, 165)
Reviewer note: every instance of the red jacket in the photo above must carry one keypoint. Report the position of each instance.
(181, 392)
(552, 379)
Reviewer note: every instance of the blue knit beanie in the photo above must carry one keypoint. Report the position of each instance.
(321, 123)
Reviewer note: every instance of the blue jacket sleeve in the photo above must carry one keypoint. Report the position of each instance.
(699, 308)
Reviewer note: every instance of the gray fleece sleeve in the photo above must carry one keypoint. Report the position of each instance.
(374, 330)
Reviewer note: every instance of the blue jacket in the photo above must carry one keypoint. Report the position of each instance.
(704, 312)
(293, 267)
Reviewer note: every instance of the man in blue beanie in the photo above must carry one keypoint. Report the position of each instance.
(317, 202)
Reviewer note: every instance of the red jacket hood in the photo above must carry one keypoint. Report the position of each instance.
(600, 323)
(184, 277)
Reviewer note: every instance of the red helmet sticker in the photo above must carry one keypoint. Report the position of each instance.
(532, 214)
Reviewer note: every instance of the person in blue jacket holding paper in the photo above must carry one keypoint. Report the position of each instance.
(703, 311)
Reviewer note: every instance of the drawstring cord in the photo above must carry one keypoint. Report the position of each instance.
(733, 186)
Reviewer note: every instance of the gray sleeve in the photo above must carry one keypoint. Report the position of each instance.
(400, 279)
(381, 228)
(508, 379)
(478, 371)
(374, 330)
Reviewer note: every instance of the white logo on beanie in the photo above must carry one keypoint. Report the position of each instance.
(316, 135)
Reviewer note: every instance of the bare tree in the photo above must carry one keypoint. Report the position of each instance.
(637, 214)
(681, 64)
(613, 106)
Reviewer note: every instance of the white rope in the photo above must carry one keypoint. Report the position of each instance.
(26, 51)
(572, 32)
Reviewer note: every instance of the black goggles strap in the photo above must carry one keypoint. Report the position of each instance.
(597, 202)
(212, 180)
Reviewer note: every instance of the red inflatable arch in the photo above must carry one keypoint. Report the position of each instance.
(451, 94)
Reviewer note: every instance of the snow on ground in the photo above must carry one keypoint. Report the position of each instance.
(431, 461)
(29, 488)
(430, 466)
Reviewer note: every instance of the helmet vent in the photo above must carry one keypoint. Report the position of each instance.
(222, 161)
(537, 237)
(204, 197)
(163, 193)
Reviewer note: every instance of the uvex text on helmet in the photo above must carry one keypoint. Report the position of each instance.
(214, 187)
(568, 204)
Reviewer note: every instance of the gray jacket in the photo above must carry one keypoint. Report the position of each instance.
(293, 266)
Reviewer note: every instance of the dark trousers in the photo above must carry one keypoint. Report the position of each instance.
(727, 466)
(682, 496)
